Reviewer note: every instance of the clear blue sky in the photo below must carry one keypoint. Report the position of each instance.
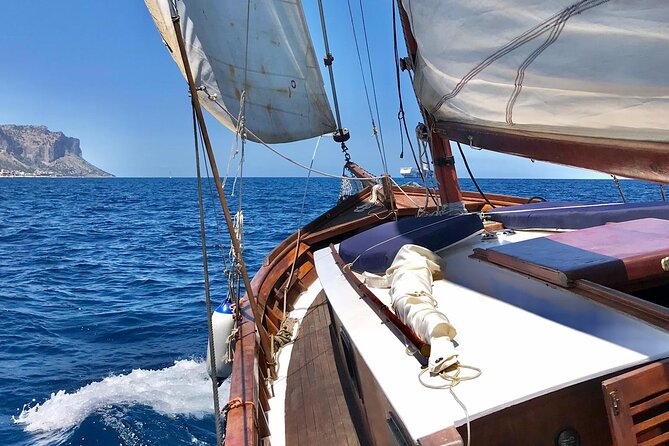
(98, 71)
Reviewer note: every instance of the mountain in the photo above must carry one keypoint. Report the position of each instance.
(27, 150)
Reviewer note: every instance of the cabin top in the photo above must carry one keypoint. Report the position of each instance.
(520, 332)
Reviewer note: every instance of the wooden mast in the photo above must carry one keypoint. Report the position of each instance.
(264, 337)
(444, 162)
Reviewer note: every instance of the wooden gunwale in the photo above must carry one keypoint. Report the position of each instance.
(245, 423)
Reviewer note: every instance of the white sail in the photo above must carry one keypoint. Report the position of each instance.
(284, 95)
(592, 68)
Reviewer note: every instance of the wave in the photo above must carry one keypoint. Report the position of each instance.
(182, 389)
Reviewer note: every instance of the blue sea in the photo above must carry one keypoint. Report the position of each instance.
(103, 327)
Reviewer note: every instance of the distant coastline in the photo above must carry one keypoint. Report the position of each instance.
(9, 174)
(34, 151)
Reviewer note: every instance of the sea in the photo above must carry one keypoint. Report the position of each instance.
(103, 328)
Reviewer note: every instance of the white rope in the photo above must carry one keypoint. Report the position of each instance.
(373, 199)
(452, 379)
(404, 193)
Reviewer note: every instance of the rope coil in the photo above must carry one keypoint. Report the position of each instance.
(453, 377)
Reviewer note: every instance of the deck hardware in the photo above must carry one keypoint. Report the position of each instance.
(568, 437)
(422, 132)
(615, 403)
(405, 64)
(398, 430)
(444, 161)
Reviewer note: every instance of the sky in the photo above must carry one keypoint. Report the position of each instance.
(98, 71)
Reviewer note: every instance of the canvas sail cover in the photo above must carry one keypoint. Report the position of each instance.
(284, 95)
(590, 68)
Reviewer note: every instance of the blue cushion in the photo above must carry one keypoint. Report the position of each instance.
(374, 249)
(576, 215)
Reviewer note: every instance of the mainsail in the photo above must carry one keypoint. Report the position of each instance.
(547, 80)
(259, 49)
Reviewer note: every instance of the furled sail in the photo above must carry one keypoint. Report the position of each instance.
(549, 79)
(284, 98)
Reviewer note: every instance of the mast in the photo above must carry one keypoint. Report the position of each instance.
(442, 155)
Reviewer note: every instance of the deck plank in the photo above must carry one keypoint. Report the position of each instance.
(316, 410)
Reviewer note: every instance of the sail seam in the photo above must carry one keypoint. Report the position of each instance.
(547, 25)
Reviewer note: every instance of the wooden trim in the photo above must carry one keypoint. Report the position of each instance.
(377, 305)
(644, 160)
(241, 428)
(646, 311)
(445, 437)
(626, 303)
(628, 395)
(361, 174)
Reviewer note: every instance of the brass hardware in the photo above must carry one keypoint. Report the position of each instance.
(615, 403)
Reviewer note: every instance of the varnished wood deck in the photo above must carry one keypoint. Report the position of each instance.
(316, 410)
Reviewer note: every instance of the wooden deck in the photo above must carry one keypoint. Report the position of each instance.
(316, 409)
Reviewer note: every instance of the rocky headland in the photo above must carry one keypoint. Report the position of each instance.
(33, 150)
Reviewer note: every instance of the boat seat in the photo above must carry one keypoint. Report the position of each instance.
(565, 215)
(374, 249)
(611, 255)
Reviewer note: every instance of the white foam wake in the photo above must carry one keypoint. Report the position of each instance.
(183, 388)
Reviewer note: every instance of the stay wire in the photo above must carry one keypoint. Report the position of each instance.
(620, 189)
(281, 155)
(232, 268)
(384, 163)
(371, 76)
(404, 129)
(299, 228)
(471, 175)
(207, 290)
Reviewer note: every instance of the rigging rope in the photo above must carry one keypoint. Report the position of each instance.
(471, 175)
(620, 189)
(371, 76)
(299, 227)
(404, 129)
(285, 334)
(379, 145)
(290, 160)
(453, 379)
(207, 290)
